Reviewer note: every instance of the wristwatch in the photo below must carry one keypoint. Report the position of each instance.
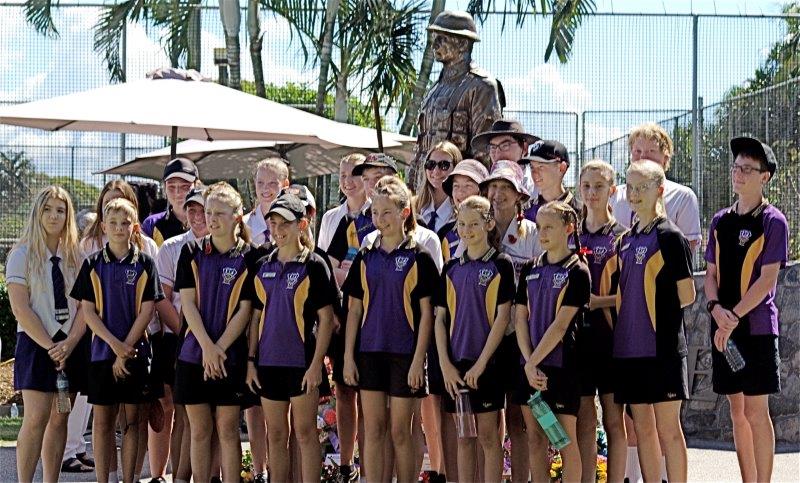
(711, 304)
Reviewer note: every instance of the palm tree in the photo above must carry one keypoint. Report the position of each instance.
(231, 17)
(256, 43)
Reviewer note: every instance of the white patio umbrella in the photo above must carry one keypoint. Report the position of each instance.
(182, 104)
(235, 159)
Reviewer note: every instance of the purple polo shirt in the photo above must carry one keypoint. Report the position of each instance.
(117, 288)
(289, 296)
(601, 257)
(349, 234)
(391, 286)
(652, 260)
(544, 288)
(220, 281)
(567, 197)
(163, 226)
(471, 292)
(450, 240)
(740, 246)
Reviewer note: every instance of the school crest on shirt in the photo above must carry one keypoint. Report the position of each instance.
(291, 280)
(130, 277)
(400, 263)
(228, 274)
(744, 237)
(641, 252)
(484, 276)
(599, 253)
(559, 279)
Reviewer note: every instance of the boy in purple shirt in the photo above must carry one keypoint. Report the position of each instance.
(747, 247)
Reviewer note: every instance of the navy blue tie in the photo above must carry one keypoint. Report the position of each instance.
(432, 221)
(59, 293)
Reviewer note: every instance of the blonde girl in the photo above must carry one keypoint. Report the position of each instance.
(210, 374)
(40, 269)
(390, 285)
(599, 235)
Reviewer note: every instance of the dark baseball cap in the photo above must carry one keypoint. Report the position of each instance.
(289, 206)
(546, 151)
(754, 146)
(376, 160)
(303, 194)
(196, 195)
(182, 168)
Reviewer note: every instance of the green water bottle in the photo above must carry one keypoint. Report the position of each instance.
(548, 421)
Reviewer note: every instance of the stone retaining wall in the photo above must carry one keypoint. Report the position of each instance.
(706, 415)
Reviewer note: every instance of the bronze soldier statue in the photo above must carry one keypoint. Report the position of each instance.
(463, 102)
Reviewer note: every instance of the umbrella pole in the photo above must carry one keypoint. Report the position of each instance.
(173, 143)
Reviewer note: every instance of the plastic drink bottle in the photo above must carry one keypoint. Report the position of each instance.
(548, 421)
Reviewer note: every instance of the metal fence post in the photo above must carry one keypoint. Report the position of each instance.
(124, 62)
(72, 169)
(696, 132)
(579, 153)
(583, 138)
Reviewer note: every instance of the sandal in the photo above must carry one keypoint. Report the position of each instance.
(85, 459)
(74, 465)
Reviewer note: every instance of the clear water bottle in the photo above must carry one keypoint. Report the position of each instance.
(14, 411)
(465, 418)
(63, 404)
(733, 356)
(548, 421)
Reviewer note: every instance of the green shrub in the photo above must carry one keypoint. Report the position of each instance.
(8, 324)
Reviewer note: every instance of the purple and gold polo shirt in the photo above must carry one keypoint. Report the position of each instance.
(471, 292)
(289, 296)
(567, 197)
(450, 240)
(600, 248)
(118, 288)
(163, 226)
(651, 260)
(220, 281)
(740, 246)
(391, 286)
(544, 288)
(349, 234)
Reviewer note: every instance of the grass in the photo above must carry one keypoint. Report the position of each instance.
(9, 428)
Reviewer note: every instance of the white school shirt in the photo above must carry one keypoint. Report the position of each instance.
(679, 201)
(520, 250)
(42, 301)
(255, 220)
(167, 265)
(444, 214)
(330, 222)
(424, 237)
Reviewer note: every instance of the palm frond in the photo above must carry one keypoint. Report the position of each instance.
(567, 17)
(108, 33)
(39, 14)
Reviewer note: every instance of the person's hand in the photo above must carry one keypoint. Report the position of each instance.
(350, 372)
(345, 265)
(593, 301)
(721, 337)
(536, 378)
(252, 377)
(724, 318)
(60, 352)
(312, 378)
(337, 325)
(123, 350)
(452, 379)
(416, 375)
(214, 362)
(119, 370)
(472, 375)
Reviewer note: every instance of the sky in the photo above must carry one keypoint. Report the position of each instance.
(620, 62)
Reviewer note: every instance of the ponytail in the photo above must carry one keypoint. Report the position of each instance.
(522, 230)
(242, 231)
(306, 239)
(410, 223)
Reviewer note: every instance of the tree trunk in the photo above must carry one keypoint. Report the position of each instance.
(410, 119)
(331, 12)
(231, 21)
(193, 56)
(256, 42)
(341, 107)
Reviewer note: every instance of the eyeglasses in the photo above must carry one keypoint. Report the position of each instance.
(639, 189)
(745, 169)
(504, 146)
(443, 165)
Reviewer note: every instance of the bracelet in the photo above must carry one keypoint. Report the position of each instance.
(711, 304)
(738, 318)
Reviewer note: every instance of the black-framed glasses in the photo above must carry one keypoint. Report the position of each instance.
(504, 146)
(443, 165)
(745, 169)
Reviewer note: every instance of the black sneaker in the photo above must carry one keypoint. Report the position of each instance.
(158, 479)
(261, 478)
(348, 474)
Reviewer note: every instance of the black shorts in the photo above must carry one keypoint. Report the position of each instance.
(384, 372)
(490, 395)
(34, 370)
(104, 390)
(595, 367)
(761, 372)
(284, 383)
(165, 353)
(509, 361)
(650, 380)
(434, 371)
(562, 394)
(190, 388)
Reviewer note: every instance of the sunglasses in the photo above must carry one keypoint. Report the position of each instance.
(443, 165)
